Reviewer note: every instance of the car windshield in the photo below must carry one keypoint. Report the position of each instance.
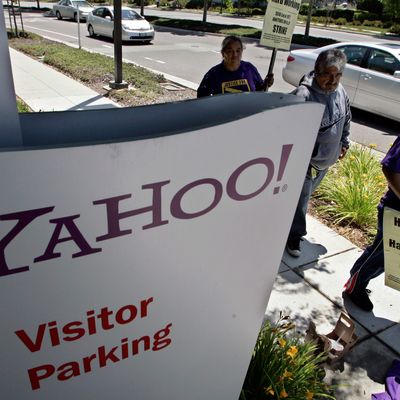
(130, 15)
(81, 4)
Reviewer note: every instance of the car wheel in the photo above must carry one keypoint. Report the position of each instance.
(91, 31)
(58, 15)
(76, 17)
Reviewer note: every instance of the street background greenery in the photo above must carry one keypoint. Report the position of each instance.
(22, 107)
(382, 16)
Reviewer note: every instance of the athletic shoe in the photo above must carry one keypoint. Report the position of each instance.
(360, 298)
(293, 246)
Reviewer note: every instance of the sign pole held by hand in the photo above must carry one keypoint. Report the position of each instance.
(271, 64)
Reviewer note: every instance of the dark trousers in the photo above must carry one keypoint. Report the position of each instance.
(371, 262)
(312, 180)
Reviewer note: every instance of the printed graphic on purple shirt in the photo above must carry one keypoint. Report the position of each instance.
(218, 80)
(240, 85)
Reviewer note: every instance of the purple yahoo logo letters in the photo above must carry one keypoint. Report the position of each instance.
(114, 215)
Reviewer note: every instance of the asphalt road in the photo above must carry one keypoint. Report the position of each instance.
(188, 55)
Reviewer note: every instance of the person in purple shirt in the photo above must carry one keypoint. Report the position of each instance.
(233, 75)
(371, 262)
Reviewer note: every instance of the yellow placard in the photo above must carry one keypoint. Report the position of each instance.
(391, 245)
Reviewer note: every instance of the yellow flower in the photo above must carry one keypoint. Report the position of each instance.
(282, 342)
(372, 145)
(309, 395)
(287, 375)
(292, 352)
(269, 390)
(283, 394)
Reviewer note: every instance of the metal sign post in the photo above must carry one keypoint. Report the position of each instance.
(272, 63)
(118, 82)
(79, 27)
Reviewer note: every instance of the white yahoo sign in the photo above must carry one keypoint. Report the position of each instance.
(142, 269)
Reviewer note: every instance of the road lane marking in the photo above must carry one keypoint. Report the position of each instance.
(108, 46)
(157, 61)
(45, 30)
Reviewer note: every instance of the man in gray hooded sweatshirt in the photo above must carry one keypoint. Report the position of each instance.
(323, 86)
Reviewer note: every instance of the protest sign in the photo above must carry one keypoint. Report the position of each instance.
(391, 243)
(279, 22)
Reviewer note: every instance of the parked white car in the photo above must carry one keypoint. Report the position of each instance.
(371, 76)
(134, 27)
(69, 9)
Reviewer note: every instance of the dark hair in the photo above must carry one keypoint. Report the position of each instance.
(330, 58)
(230, 39)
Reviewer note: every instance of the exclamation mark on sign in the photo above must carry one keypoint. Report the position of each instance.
(286, 149)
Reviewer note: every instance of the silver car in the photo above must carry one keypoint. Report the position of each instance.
(371, 76)
(69, 9)
(134, 27)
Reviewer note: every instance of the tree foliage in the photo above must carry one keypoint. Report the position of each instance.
(392, 7)
(373, 6)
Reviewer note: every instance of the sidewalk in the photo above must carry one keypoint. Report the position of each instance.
(44, 89)
(307, 288)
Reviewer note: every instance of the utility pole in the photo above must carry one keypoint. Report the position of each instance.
(205, 4)
(310, 8)
(118, 83)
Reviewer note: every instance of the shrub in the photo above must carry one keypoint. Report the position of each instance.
(283, 367)
(352, 188)
(376, 24)
(337, 13)
(22, 106)
(340, 21)
(395, 29)
(312, 40)
(195, 4)
(304, 9)
(343, 13)
(258, 11)
(373, 6)
(229, 6)
(365, 15)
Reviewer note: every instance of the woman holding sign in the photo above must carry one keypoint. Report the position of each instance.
(233, 75)
(371, 262)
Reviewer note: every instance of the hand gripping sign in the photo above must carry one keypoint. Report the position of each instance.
(138, 247)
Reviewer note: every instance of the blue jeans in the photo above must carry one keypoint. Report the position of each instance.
(371, 263)
(312, 180)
